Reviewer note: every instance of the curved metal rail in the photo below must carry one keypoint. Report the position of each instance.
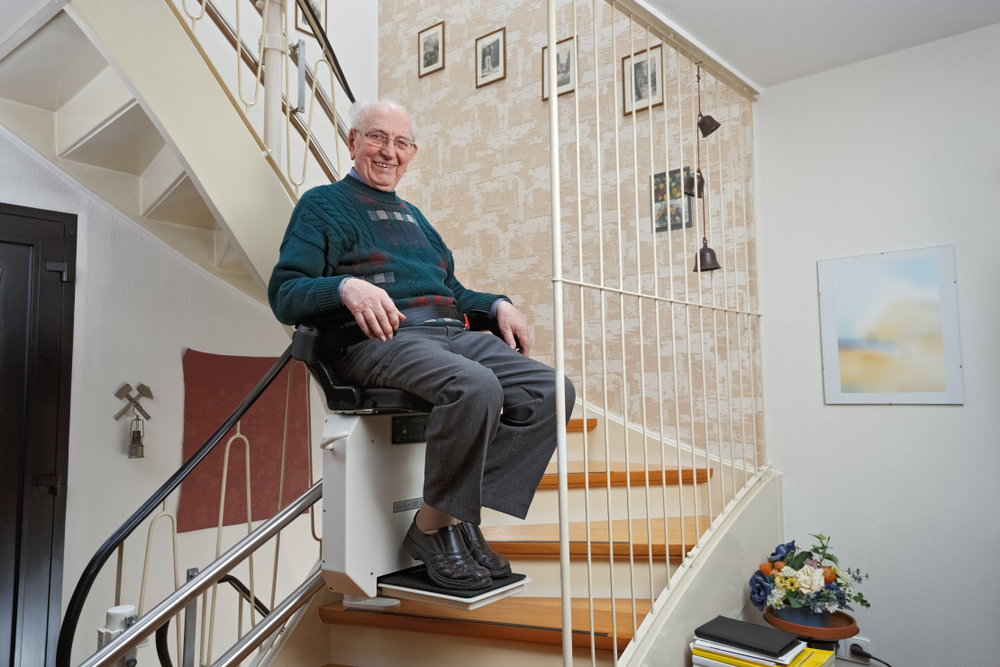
(83, 586)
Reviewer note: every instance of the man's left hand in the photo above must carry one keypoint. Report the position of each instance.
(514, 327)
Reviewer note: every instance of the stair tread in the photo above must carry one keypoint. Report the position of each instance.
(518, 618)
(542, 540)
(597, 475)
(576, 425)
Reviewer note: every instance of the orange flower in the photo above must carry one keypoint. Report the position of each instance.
(766, 569)
(778, 564)
(829, 576)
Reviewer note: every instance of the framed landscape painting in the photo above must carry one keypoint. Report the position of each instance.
(889, 328)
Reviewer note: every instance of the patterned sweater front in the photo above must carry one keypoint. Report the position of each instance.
(349, 229)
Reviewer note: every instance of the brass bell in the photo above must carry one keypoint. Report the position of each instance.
(689, 185)
(706, 260)
(707, 124)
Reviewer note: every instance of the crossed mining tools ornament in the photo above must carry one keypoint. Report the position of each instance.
(125, 394)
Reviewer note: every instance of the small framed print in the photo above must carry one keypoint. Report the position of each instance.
(430, 50)
(491, 58)
(642, 80)
(565, 68)
(671, 209)
(302, 25)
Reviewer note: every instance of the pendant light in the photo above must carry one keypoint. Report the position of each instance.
(705, 260)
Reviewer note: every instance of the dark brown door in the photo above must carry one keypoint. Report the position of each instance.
(37, 262)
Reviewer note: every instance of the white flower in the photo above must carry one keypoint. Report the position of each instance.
(809, 580)
(777, 598)
(788, 572)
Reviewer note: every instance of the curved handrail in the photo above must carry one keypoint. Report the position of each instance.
(83, 586)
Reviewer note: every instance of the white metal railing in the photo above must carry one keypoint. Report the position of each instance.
(302, 144)
(210, 610)
(678, 350)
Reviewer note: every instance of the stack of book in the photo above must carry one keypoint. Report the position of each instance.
(726, 641)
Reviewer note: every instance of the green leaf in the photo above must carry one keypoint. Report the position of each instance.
(833, 559)
(793, 603)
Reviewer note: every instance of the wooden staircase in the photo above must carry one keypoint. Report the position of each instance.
(537, 620)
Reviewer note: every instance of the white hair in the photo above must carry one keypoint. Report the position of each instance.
(358, 115)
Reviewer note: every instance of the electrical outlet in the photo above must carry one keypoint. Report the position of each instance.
(844, 650)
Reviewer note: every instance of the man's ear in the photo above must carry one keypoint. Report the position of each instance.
(352, 138)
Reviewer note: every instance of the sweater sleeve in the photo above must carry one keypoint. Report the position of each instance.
(298, 290)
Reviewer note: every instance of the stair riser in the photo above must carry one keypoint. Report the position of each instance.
(545, 506)
(544, 576)
(394, 648)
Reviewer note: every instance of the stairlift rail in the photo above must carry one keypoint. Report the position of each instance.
(207, 578)
(75, 608)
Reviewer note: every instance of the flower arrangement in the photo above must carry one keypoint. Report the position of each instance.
(798, 578)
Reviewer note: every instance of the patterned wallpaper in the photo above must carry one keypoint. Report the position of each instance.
(482, 178)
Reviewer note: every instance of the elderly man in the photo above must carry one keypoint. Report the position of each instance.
(355, 249)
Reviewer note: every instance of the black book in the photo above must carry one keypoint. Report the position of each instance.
(759, 638)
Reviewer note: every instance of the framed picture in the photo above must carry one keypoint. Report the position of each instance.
(565, 68)
(302, 25)
(889, 328)
(642, 80)
(671, 209)
(491, 58)
(430, 49)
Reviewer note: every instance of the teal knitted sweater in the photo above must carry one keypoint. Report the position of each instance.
(349, 229)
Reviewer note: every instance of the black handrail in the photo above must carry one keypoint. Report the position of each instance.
(75, 608)
(331, 58)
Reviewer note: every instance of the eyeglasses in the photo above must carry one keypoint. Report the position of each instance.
(381, 140)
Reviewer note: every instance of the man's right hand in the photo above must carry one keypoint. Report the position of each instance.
(372, 308)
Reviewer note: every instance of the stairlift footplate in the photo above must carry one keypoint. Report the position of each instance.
(414, 584)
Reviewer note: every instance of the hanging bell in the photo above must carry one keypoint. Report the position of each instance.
(135, 448)
(706, 259)
(689, 185)
(707, 125)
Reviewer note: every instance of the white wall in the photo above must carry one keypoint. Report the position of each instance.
(139, 305)
(898, 152)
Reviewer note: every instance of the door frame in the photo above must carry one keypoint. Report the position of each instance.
(62, 416)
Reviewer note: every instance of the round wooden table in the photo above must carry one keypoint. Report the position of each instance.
(839, 626)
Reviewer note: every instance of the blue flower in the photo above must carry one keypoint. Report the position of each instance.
(760, 589)
(782, 551)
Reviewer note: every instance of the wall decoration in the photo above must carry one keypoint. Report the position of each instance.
(642, 80)
(491, 57)
(565, 68)
(671, 209)
(889, 325)
(214, 385)
(300, 20)
(430, 49)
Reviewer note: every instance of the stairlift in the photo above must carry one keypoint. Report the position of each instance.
(373, 456)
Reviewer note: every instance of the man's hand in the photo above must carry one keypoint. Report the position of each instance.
(372, 308)
(514, 327)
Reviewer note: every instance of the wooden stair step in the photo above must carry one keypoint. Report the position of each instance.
(524, 619)
(542, 540)
(597, 476)
(576, 425)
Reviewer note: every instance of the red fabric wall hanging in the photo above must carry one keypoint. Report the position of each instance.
(214, 385)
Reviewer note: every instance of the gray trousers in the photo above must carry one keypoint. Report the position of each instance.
(493, 427)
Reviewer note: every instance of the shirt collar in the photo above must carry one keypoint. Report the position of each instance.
(354, 172)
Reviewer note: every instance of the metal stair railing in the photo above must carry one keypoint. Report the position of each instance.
(208, 577)
(92, 570)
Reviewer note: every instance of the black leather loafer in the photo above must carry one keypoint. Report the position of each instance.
(448, 561)
(481, 551)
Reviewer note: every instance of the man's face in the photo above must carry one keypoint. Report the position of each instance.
(382, 167)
